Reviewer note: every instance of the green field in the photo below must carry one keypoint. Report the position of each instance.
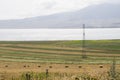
(97, 51)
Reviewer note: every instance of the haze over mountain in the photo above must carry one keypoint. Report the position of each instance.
(102, 15)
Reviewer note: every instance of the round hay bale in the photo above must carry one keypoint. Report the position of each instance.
(24, 66)
(66, 66)
(39, 66)
(76, 78)
(79, 66)
(6, 66)
(101, 66)
(28, 66)
(50, 66)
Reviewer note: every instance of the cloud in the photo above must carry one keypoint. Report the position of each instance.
(15, 9)
(113, 1)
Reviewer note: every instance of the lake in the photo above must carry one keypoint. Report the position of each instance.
(58, 34)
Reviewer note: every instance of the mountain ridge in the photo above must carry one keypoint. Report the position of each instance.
(103, 15)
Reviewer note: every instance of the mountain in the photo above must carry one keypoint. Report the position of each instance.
(103, 15)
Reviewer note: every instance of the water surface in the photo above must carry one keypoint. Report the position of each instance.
(58, 34)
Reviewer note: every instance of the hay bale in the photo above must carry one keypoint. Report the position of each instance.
(66, 66)
(50, 66)
(6, 66)
(28, 66)
(79, 66)
(76, 78)
(39, 66)
(24, 66)
(101, 66)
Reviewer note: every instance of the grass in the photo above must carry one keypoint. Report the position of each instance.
(60, 76)
(62, 59)
(98, 51)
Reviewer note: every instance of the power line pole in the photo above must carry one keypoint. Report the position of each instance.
(112, 72)
(83, 43)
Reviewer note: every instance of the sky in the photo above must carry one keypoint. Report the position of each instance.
(18, 9)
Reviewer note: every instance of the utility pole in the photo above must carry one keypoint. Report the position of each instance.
(83, 43)
(112, 72)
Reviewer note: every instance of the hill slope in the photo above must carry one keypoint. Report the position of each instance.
(103, 15)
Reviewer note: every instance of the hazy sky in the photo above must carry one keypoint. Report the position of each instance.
(15, 9)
